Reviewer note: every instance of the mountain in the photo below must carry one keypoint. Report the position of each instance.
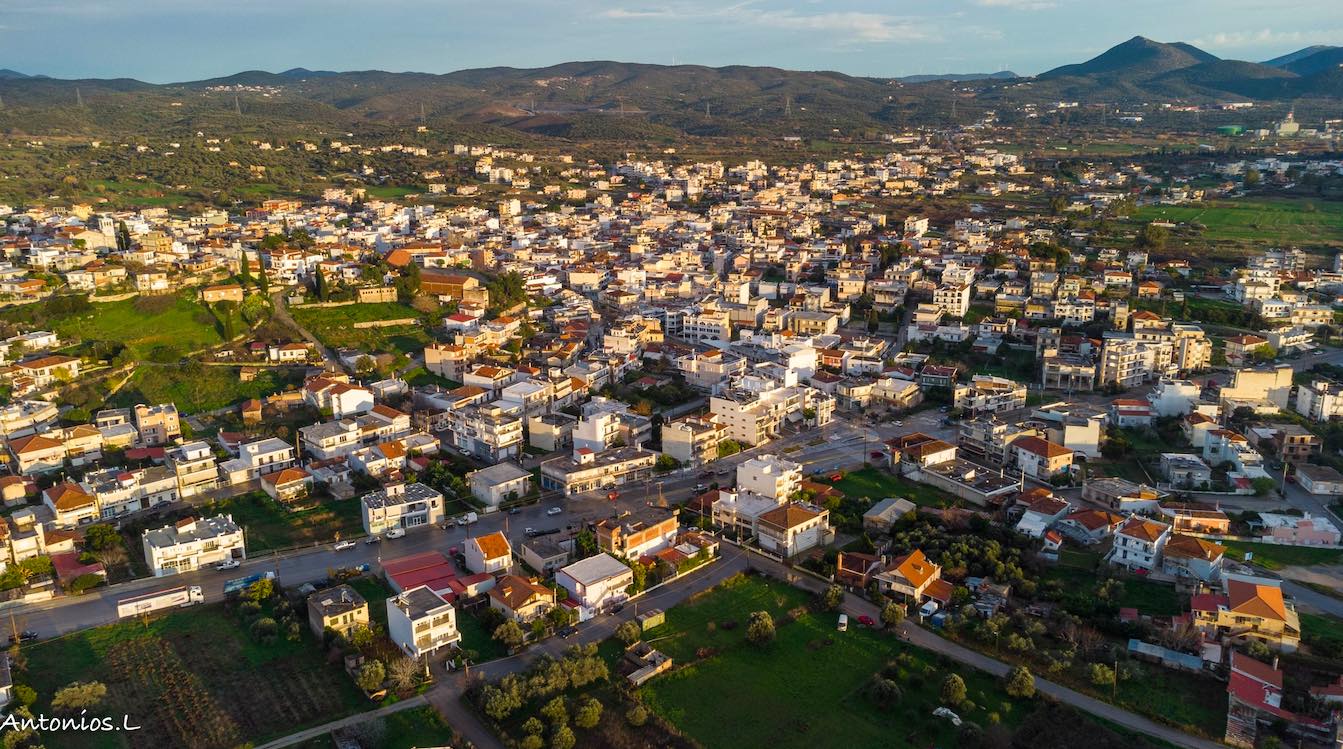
(1283, 60)
(1138, 57)
(10, 75)
(1249, 79)
(1326, 59)
(1000, 75)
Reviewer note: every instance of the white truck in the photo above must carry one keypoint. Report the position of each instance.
(148, 603)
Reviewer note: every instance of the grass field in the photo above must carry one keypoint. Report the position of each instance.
(1275, 557)
(807, 688)
(193, 678)
(182, 325)
(201, 388)
(334, 327)
(877, 484)
(1306, 222)
(270, 526)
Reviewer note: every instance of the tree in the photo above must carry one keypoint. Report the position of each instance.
(25, 694)
(1252, 177)
(80, 695)
(321, 285)
(953, 690)
(883, 691)
(259, 591)
(588, 714)
(1102, 675)
(563, 738)
(893, 614)
(629, 632)
(262, 280)
(832, 597)
(403, 673)
(101, 536)
(371, 676)
(636, 716)
(556, 711)
(244, 270)
(1263, 485)
(760, 628)
(364, 365)
(1154, 236)
(1019, 683)
(509, 634)
(533, 726)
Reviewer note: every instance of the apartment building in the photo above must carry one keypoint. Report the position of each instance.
(633, 538)
(157, 425)
(191, 544)
(1249, 608)
(487, 431)
(420, 622)
(330, 439)
(988, 394)
(769, 476)
(403, 506)
(119, 491)
(587, 470)
(954, 299)
(193, 464)
(256, 459)
(692, 441)
(753, 417)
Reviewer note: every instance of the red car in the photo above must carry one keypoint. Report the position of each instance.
(866, 621)
(878, 454)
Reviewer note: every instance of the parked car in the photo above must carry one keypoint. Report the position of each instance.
(514, 510)
(554, 511)
(373, 540)
(843, 625)
(877, 454)
(700, 488)
(567, 632)
(26, 635)
(343, 545)
(228, 564)
(867, 621)
(538, 532)
(396, 533)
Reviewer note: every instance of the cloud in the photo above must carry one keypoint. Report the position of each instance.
(840, 27)
(1017, 4)
(1264, 37)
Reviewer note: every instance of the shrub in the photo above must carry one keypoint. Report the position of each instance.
(588, 714)
(884, 692)
(636, 716)
(265, 629)
(760, 627)
(24, 694)
(953, 690)
(1102, 675)
(629, 632)
(832, 597)
(1019, 682)
(371, 676)
(78, 696)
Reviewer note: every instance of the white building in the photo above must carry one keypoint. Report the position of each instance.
(596, 583)
(420, 622)
(191, 544)
(401, 506)
(769, 476)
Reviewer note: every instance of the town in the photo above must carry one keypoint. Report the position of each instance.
(932, 442)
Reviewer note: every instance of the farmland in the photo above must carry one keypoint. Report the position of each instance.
(1262, 221)
(158, 328)
(808, 686)
(334, 326)
(191, 679)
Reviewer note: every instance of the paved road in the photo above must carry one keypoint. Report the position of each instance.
(312, 733)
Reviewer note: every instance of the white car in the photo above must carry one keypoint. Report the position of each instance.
(554, 511)
(343, 545)
(228, 564)
(942, 712)
(395, 533)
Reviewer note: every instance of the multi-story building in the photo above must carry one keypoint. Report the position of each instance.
(420, 622)
(486, 431)
(1041, 459)
(587, 470)
(119, 491)
(793, 528)
(769, 476)
(753, 417)
(1321, 400)
(633, 538)
(954, 299)
(256, 459)
(157, 425)
(710, 370)
(1249, 608)
(339, 609)
(403, 506)
(194, 466)
(1138, 544)
(1067, 372)
(692, 441)
(192, 544)
(989, 394)
(27, 417)
(331, 439)
(596, 584)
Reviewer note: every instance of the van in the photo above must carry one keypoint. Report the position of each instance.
(843, 623)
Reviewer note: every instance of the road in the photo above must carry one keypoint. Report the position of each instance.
(280, 311)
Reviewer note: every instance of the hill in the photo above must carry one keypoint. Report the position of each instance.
(1000, 75)
(1321, 61)
(1283, 60)
(1137, 58)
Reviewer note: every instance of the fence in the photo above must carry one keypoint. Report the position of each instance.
(386, 323)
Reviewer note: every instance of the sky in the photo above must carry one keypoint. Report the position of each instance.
(177, 40)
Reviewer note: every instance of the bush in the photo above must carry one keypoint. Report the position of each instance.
(588, 714)
(832, 597)
(953, 690)
(636, 716)
(563, 738)
(78, 696)
(265, 629)
(1019, 683)
(629, 632)
(24, 694)
(884, 692)
(760, 627)
(371, 676)
(84, 583)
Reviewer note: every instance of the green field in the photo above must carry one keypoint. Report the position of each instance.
(393, 192)
(1305, 222)
(176, 324)
(807, 688)
(194, 675)
(199, 388)
(334, 327)
(1275, 557)
(877, 485)
(270, 526)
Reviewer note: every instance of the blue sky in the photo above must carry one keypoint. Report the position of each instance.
(174, 40)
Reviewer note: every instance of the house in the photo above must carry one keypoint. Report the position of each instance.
(420, 622)
(1192, 557)
(257, 458)
(1249, 608)
(909, 576)
(1138, 544)
(586, 470)
(544, 554)
(520, 599)
(793, 528)
(856, 570)
(191, 544)
(1121, 494)
(499, 483)
(428, 568)
(119, 491)
(1306, 530)
(340, 609)
(1040, 510)
(157, 425)
(70, 504)
(222, 293)
(37, 453)
(287, 485)
(1319, 480)
(1130, 412)
(595, 584)
(400, 505)
(1185, 470)
(1193, 518)
(1090, 526)
(46, 370)
(1041, 459)
(632, 538)
(490, 553)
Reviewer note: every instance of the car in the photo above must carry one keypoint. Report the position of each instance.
(700, 488)
(373, 540)
(705, 475)
(944, 409)
(567, 632)
(343, 545)
(228, 564)
(877, 453)
(554, 511)
(26, 635)
(616, 609)
(529, 532)
(942, 712)
(693, 529)
(898, 423)
(461, 520)
(867, 621)
(538, 532)
(395, 533)
(514, 510)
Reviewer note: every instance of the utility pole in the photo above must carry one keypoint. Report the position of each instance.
(787, 106)
(79, 99)
(237, 109)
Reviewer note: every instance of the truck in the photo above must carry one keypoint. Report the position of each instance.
(148, 603)
(468, 518)
(239, 584)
